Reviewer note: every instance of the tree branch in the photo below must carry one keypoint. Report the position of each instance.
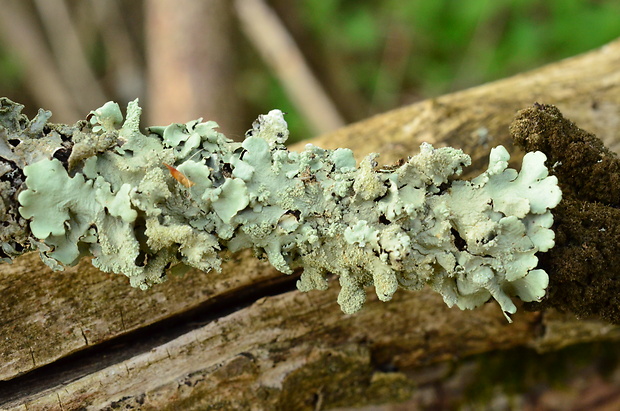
(280, 346)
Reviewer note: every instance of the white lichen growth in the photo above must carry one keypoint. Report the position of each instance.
(400, 227)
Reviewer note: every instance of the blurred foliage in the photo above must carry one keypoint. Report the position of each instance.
(456, 44)
(372, 56)
(11, 73)
(525, 374)
(397, 52)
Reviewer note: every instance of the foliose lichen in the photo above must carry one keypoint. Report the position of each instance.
(178, 195)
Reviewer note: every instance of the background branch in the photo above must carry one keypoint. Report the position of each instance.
(25, 39)
(69, 54)
(278, 49)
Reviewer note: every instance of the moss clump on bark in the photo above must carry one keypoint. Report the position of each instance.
(584, 265)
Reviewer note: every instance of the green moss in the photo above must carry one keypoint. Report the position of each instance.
(519, 371)
(584, 265)
(342, 378)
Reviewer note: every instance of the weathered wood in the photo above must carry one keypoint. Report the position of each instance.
(46, 315)
(292, 350)
(260, 358)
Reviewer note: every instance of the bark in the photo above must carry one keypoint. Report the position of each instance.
(245, 338)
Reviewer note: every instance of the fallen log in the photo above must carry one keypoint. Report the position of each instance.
(245, 338)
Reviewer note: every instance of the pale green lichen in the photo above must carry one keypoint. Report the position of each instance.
(398, 227)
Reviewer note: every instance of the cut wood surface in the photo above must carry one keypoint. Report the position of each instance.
(245, 338)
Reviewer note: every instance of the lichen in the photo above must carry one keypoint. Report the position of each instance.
(178, 195)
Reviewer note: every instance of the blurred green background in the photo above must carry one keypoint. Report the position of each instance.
(367, 56)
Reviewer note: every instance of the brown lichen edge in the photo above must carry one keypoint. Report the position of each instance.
(584, 265)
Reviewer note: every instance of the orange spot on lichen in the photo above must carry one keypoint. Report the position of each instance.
(180, 177)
